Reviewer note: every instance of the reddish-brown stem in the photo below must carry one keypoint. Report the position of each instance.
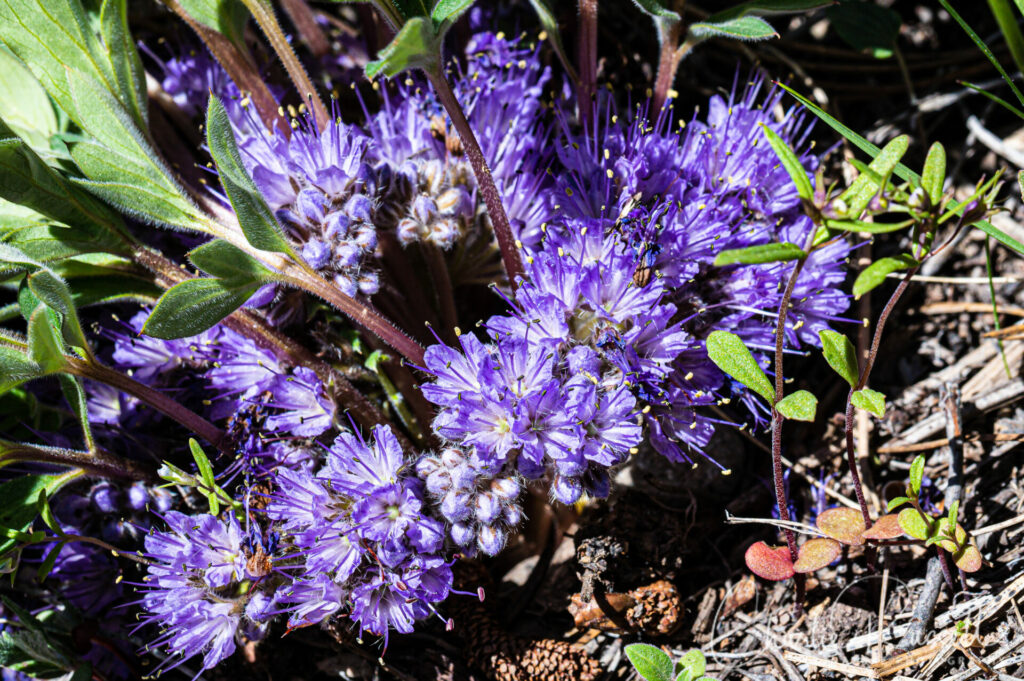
(239, 68)
(485, 182)
(305, 23)
(668, 62)
(155, 399)
(263, 12)
(586, 58)
(100, 464)
(443, 287)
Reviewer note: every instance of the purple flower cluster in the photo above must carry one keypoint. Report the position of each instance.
(359, 538)
(203, 588)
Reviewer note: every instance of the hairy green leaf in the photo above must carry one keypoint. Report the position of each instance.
(748, 29)
(45, 347)
(934, 173)
(657, 9)
(415, 46)
(916, 474)
(769, 7)
(16, 368)
(798, 406)
(840, 355)
(866, 185)
(221, 259)
(869, 400)
(24, 104)
(848, 225)
(20, 507)
(691, 666)
(227, 17)
(875, 273)
(209, 489)
(651, 663)
(194, 305)
(124, 59)
(254, 215)
(755, 255)
(730, 355)
(896, 502)
(74, 393)
(791, 163)
(449, 10)
(49, 288)
(917, 525)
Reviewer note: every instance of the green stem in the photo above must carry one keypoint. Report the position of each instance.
(101, 463)
(484, 179)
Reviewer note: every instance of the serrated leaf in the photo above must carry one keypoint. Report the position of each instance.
(730, 355)
(896, 503)
(414, 46)
(798, 406)
(865, 26)
(840, 355)
(886, 527)
(845, 525)
(791, 162)
(915, 524)
(934, 173)
(767, 562)
(816, 553)
(916, 474)
(875, 273)
(869, 400)
(193, 306)
(651, 663)
(258, 223)
(858, 195)
(756, 255)
(747, 29)
(221, 259)
(45, 347)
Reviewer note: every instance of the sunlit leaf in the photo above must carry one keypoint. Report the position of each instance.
(767, 562)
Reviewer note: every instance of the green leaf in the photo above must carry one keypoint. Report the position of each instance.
(896, 503)
(954, 510)
(206, 475)
(917, 525)
(124, 59)
(48, 287)
(650, 662)
(221, 259)
(47, 565)
(414, 47)
(791, 163)
(691, 666)
(227, 17)
(798, 406)
(25, 106)
(865, 26)
(449, 10)
(934, 173)
(20, 502)
(656, 9)
(869, 400)
(254, 215)
(729, 353)
(755, 255)
(916, 474)
(984, 49)
(194, 305)
(866, 185)
(120, 165)
(748, 28)
(769, 7)
(875, 273)
(840, 355)
(74, 393)
(848, 225)
(45, 347)
(16, 368)
(901, 170)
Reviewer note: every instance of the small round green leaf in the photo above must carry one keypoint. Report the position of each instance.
(876, 272)
(651, 663)
(917, 525)
(869, 400)
(798, 406)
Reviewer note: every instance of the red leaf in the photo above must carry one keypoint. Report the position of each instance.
(845, 525)
(816, 554)
(886, 527)
(767, 562)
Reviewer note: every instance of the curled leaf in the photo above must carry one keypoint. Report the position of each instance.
(816, 554)
(845, 525)
(769, 562)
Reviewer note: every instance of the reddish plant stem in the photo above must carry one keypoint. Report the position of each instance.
(305, 23)
(668, 62)
(239, 68)
(443, 286)
(485, 182)
(154, 398)
(586, 58)
(100, 464)
(862, 381)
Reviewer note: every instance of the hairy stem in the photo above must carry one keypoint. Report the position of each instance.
(263, 12)
(586, 58)
(305, 23)
(155, 399)
(485, 182)
(100, 463)
(668, 61)
(239, 68)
